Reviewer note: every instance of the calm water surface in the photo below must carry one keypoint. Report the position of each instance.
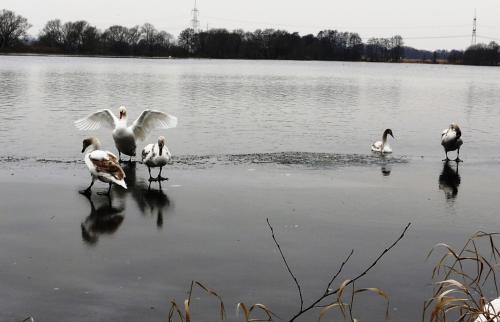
(287, 141)
(251, 106)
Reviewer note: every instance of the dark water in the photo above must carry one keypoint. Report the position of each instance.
(286, 141)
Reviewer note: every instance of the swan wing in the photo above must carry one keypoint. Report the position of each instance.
(107, 163)
(167, 153)
(94, 121)
(148, 149)
(149, 120)
(377, 146)
(448, 135)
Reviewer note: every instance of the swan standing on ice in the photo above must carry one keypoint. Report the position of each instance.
(125, 136)
(103, 165)
(156, 155)
(451, 140)
(383, 146)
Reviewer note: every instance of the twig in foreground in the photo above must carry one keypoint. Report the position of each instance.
(330, 293)
(286, 264)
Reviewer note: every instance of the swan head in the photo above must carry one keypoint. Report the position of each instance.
(388, 132)
(161, 143)
(92, 141)
(456, 128)
(123, 112)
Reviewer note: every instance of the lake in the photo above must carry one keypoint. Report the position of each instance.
(284, 140)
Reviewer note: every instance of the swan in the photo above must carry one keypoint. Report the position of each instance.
(103, 165)
(493, 309)
(156, 155)
(125, 137)
(451, 140)
(383, 146)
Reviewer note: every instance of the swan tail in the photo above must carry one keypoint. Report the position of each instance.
(121, 183)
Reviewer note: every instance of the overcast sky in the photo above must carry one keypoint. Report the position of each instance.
(426, 24)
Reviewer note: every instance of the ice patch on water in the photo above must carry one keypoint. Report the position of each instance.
(291, 159)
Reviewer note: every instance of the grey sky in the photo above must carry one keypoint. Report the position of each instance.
(417, 21)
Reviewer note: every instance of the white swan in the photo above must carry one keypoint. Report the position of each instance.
(125, 136)
(156, 155)
(103, 165)
(383, 146)
(493, 309)
(451, 140)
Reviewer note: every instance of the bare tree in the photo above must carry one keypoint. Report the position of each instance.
(134, 35)
(187, 40)
(163, 39)
(73, 34)
(12, 27)
(396, 47)
(116, 34)
(52, 33)
(149, 33)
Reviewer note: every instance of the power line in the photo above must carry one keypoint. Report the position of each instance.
(489, 26)
(438, 37)
(488, 37)
(334, 27)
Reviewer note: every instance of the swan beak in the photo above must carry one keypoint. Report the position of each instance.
(83, 150)
(121, 114)
(393, 136)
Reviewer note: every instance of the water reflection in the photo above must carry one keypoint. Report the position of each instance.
(449, 180)
(386, 169)
(107, 213)
(151, 201)
(385, 165)
(105, 219)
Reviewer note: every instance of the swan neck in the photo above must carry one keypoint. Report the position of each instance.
(122, 122)
(95, 146)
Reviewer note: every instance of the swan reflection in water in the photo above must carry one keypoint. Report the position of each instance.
(151, 201)
(449, 180)
(386, 169)
(385, 165)
(105, 219)
(107, 212)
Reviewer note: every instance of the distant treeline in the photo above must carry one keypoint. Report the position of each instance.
(80, 37)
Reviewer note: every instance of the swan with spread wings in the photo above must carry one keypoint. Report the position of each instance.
(125, 137)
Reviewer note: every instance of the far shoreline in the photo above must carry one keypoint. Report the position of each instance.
(402, 61)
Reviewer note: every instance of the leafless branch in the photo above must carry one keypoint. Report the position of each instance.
(330, 293)
(287, 266)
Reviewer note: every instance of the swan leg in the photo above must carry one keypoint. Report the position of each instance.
(458, 156)
(159, 220)
(151, 179)
(447, 159)
(108, 193)
(160, 178)
(88, 191)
